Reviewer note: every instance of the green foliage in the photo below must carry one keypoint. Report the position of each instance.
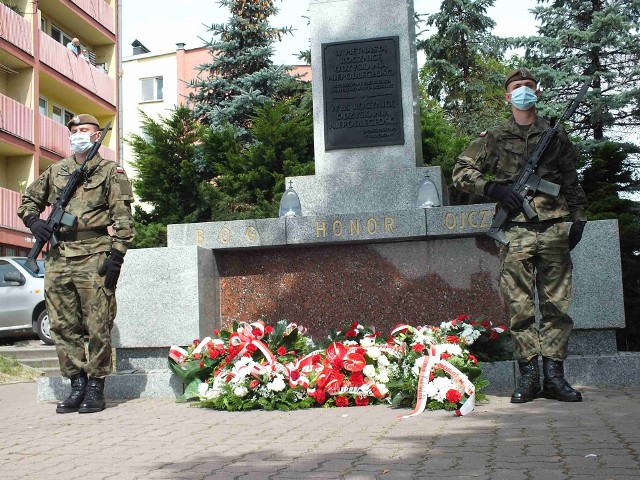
(241, 75)
(287, 400)
(149, 235)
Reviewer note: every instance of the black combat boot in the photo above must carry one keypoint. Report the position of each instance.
(94, 399)
(555, 386)
(529, 388)
(73, 401)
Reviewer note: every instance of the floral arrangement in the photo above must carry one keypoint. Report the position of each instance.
(279, 367)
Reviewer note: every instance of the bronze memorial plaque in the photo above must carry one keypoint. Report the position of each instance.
(362, 94)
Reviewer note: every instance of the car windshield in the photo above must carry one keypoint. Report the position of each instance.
(23, 261)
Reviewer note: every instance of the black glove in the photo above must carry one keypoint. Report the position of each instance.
(40, 229)
(575, 233)
(509, 199)
(110, 269)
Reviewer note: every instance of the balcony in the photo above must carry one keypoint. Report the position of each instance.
(15, 29)
(99, 10)
(55, 138)
(61, 59)
(9, 203)
(16, 119)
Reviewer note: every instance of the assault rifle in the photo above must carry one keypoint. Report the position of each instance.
(58, 217)
(527, 182)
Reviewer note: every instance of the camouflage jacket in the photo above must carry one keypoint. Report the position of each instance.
(500, 153)
(103, 200)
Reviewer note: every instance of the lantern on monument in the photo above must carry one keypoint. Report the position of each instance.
(427, 196)
(290, 203)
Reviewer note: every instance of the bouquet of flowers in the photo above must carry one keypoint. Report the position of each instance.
(488, 342)
(255, 365)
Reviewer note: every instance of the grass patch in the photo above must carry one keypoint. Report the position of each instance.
(11, 371)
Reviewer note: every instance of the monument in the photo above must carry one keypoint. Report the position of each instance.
(361, 250)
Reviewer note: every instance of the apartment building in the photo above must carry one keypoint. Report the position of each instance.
(154, 83)
(42, 85)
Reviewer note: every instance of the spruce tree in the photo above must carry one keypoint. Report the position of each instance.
(241, 74)
(464, 68)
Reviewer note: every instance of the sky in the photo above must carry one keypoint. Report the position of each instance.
(160, 24)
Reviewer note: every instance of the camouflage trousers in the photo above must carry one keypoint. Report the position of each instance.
(537, 261)
(78, 302)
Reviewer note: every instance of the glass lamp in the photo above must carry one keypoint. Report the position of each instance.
(427, 196)
(290, 203)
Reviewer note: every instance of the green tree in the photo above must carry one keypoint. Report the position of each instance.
(249, 181)
(241, 74)
(464, 66)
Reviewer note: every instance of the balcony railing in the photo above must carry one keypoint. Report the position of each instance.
(9, 203)
(16, 119)
(63, 60)
(15, 29)
(100, 10)
(55, 138)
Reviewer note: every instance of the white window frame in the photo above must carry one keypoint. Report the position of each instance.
(65, 37)
(46, 105)
(156, 97)
(43, 24)
(64, 114)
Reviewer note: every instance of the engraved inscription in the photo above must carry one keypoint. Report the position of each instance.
(352, 228)
(468, 220)
(362, 94)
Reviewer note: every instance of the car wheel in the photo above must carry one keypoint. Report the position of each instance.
(42, 328)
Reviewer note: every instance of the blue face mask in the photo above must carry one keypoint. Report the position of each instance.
(523, 98)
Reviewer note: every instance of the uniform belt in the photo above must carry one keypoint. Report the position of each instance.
(82, 235)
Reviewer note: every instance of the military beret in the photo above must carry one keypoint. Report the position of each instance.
(519, 74)
(83, 119)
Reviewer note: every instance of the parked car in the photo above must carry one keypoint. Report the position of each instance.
(22, 307)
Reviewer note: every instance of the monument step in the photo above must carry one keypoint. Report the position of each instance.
(617, 370)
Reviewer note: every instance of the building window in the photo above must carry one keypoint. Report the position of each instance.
(61, 115)
(59, 36)
(44, 106)
(151, 89)
(43, 24)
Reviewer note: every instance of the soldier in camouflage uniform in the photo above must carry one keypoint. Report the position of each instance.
(537, 256)
(81, 272)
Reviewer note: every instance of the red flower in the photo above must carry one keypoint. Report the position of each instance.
(268, 329)
(362, 401)
(418, 347)
(216, 332)
(431, 377)
(316, 358)
(378, 334)
(254, 383)
(282, 351)
(256, 332)
(473, 359)
(196, 342)
(452, 339)
(494, 335)
(351, 333)
(251, 348)
(354, 325)
(294, 375)
(213, 354)
(357, 379)
(201, 364)
(486, 323)
(444, 356)
(196, 356)
(319, 396)
(463, 317)
(453, 396)
(342, 401)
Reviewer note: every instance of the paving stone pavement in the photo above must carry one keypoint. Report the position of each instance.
(159, 439)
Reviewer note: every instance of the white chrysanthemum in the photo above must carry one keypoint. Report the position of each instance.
(382, 376)
(415, 370)
(424, 336)
(369, 371)
(349, 343)
(202, 388)
(277, 384)
(454, 349)
(383, 361)
(438, 388)
(367, 342)
(373, 352)
(240, 391)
